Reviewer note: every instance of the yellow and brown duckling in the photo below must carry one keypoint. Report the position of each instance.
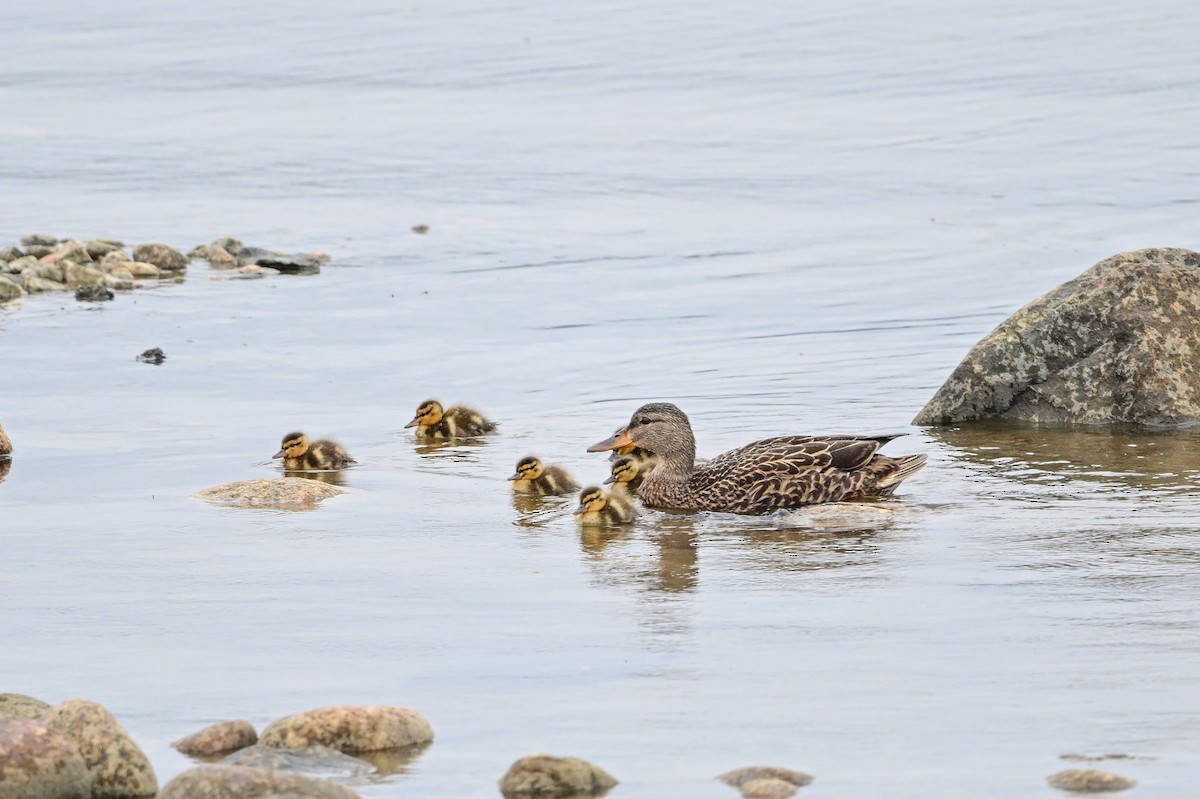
(644, 458)
(5, 443)
(626, 476)
(597, 507)
(299, 454)
(768, 475)
(458, 421)
(534, 477)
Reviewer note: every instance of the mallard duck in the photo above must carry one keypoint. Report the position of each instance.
(625, 475)
(300, 455)
(768, 475)
(534, 477)
(5, 443)
(596, 507)
(457, 421)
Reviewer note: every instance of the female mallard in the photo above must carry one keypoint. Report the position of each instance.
(458, 421)
(768, 475)
(596, 507)
(301, 455)
(625, 475)
(534, 477)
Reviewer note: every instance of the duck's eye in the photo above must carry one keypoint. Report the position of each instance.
(644, 420)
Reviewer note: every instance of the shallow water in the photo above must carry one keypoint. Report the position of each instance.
(785, 219)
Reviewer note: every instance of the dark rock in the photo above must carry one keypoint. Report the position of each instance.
(93, 294)
(243, 782)
(420, 229)
(18, 706)
(224, 736)
(162, 256)
(1117, 344)
(546, 775)
(156, 356)
(320, 762)
(38, 763)
(119, 768)
(39, 239)
(292, 264)
(348, 728)
(1087, 780)
(10, 291)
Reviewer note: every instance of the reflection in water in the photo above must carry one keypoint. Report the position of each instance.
(596, 537)
(454, 449)
(393, 761)
(331, 476)
(675, 540)
(1134, 458)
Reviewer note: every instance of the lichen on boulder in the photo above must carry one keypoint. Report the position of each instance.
(350, 728)
(39, 763)
(216, 739)
(1118, 344)
(244, 782)
(118, 766)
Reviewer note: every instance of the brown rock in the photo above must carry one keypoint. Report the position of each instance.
(162, 256)
(80, 275)
(349, 728)
(34, 284)
(118, 767)
(46, 271)
(10, 291)
(767, 788)
(141, 269)
(38, 763)
(1088, 780)
(547, 775)
(18, 706)
(10, 254)
(740, 776)
(243, 782)
(286, 493)
(1119, 343)
(220, 258)
(219, 738)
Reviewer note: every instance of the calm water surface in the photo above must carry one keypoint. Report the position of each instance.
(783, 217)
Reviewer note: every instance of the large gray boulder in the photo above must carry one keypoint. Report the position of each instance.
(1119, 343)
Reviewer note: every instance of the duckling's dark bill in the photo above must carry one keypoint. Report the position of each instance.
(416, 421)
(621, 439)
(278, 455)
(579, 511)
(516, 476)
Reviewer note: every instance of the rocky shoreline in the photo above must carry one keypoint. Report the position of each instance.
(95, 268)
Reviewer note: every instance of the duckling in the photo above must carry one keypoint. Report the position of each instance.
(534, 477)
(298, 454)
(5, 443)
(458, 421)
(626, 476)
(596, 507)
(643, 458)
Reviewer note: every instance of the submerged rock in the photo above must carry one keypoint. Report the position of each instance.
(162, 256)
(18, 706)
(1087, 780)
(349, 728)
(739, 777)
(217, 739)
(286, 493)
(10, 291)
(1119, 343)
(155, 356)
(39, 763)
(243, 782)
(313, 761)
(93, 294)
(547, 775)
(118, 766)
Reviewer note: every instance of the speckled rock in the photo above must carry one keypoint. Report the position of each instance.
(229, 244)
(217, 739)
(38, 763)
(18, 706)
(1119, 343)
(1087, 780)
(100, 248)
(141, 269)
(162, 256)
(81, 275)
(118, 256)
(547, 775)
(40, 239)
(767, 788)
(10, 291)
(739, 777)
(349, 728)
(39, 250)
(118, 767)
(34, 284)
(220, 258)
(10, 253)
(76, 252)
(243, 782)
(21, 264)
(286, 493)
(313, 761)
(45, 271)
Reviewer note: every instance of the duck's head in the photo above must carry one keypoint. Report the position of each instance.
(294, 446)
(429, 412)
(528, 469)
(657, 427)
(624, 470)
(591, 500)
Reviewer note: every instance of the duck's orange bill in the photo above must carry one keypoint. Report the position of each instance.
(278, 454)
(621, 439)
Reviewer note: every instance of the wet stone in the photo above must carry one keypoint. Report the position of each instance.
(18, 706)
(313, 761)
(11, 253)
(38, 250)
(45, 271)
(243, 782)
(81, 275)
(767, 788)
(291, 264)
(162, 256)
(37, 284)
(10, 291)
(94, 294)
(38, 763)
(1087, 780)
(220, 258)
(285, 493)
(349, 728)
(156, 356)
(547, 775)
(219, 738)
(100, 248)
(118, 766)
(740, 776)
(40, 239)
